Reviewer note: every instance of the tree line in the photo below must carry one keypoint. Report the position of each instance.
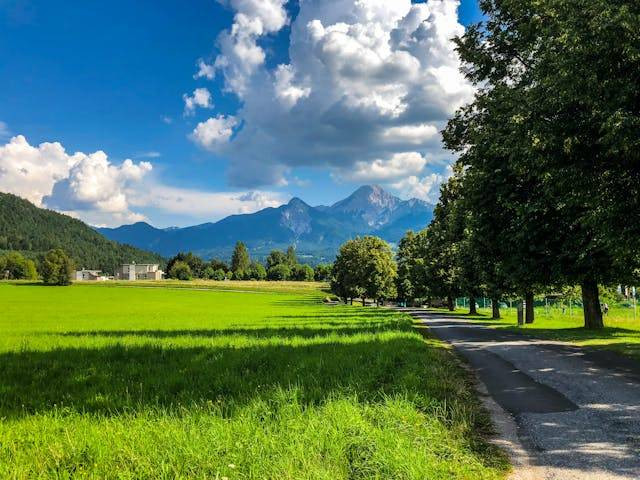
(55, 268)
(546, 191)
(279, 266)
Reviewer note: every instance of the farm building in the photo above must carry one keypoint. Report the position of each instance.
(90, 276)
(133, 271)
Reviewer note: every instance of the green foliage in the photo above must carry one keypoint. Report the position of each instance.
(240, 261)
(364, 268)
(279, 272)
(276, 257)
(57, 268)
(181, 271)
(322, 272)
(182, 383)
(197, 266)
(34, 231)
(14, 266)
(302, 273)
(257, 271)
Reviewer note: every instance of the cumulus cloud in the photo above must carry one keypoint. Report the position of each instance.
(205, 70)
(366, 80)
(426, 188)
(215, 133)
(400, 165)
(201, 97)
(86, 186)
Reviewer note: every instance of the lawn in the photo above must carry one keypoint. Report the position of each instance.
(104, 381)
(621, 333)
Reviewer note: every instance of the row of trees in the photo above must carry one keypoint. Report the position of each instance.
(55, 268)
(278, 266)
(546, 191)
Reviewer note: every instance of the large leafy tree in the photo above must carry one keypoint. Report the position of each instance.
(556, 79)
(57, 268)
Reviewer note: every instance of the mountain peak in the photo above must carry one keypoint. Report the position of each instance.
(297, 202)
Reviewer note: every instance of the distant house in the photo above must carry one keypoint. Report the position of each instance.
(90, 276)
(143, 271)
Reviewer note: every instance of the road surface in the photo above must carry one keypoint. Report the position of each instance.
(563, 413)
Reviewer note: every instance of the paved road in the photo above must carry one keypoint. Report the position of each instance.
(575, 414)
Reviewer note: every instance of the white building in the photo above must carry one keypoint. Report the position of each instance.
(143, 271)
(90, 276)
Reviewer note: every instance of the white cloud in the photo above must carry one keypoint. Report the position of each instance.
(215, 132)
(400, 165)
(201, 97)
(166, 119)
(205, 205)
(86, 186)
(366, 80)
(240, 55)
(426, 188)
(205, 70)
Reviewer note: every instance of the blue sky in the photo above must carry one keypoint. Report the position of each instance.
(113, 76)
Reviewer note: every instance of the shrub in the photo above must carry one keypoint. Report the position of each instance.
(279, 272)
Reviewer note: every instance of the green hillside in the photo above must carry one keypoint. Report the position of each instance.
(33, 231)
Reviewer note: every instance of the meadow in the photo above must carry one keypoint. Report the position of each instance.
(621, 333)
(250, 382)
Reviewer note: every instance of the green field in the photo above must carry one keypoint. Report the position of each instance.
(104, 381)
(621, 333)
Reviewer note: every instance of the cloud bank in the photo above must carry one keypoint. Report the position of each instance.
(368, 86)
(93, 188)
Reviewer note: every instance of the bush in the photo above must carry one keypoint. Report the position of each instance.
(279, 272)
(181, 271)
(219, 275)
(57, 268)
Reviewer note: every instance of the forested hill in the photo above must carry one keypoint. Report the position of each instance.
(33, 231)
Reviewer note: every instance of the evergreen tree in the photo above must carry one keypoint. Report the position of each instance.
(240, 261)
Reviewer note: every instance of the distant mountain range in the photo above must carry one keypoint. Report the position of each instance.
(317, 232)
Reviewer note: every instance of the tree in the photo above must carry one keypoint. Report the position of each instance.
(240, 260)
(558, 108)
(364, 268)
(379, 271)
(181, 271)
(302, 273)
(257, 271)
(322, 272)
(345, 278)
(219, 275)
(15, 266)
(276, 257)
(279, 272)
(57, 268)
(196, 265)
(292, 259)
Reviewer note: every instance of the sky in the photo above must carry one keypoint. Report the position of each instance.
(179, 113)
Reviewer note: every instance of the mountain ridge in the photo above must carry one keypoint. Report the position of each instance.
(317, 232)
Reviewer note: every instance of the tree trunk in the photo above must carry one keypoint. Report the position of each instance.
(364, 301)
(591, 303)
(472, 306)
(450, 303)
(529, 314)
(495, 306)
(351, 301)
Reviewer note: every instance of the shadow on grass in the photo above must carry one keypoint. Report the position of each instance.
(114, 379)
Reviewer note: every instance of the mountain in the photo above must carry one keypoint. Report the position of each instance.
(317, 232)
(33, 231)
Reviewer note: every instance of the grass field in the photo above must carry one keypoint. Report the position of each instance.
(103, 381)
(621, 333)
